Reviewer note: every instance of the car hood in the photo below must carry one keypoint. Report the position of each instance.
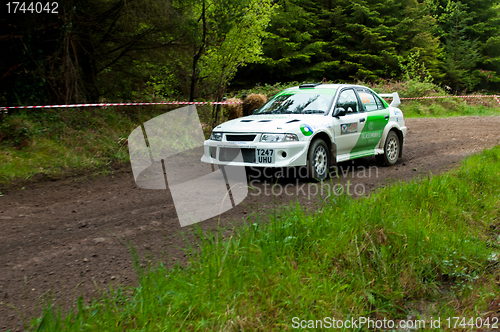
(276, 123)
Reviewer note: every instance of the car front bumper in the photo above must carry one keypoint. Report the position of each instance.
(285, 154)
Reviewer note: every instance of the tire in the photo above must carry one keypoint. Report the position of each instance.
(392, 147)
(318, 160)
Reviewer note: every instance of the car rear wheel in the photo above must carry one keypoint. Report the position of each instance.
(318, 160)
(391, 149)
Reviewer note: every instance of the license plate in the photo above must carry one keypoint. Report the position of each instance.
(265, 156)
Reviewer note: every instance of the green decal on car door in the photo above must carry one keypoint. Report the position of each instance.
(372, 132)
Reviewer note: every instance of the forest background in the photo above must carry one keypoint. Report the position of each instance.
(126, 50)
(205, 50)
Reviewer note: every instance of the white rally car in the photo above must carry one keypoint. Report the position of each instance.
(314, 125)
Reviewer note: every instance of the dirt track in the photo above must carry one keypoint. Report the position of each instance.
(62, 238)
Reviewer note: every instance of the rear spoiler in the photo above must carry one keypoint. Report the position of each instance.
(395, 98)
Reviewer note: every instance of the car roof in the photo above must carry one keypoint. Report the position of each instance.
(327, 86)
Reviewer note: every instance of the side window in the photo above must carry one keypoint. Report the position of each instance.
(368, 100)
(348, 101)
(380, 104)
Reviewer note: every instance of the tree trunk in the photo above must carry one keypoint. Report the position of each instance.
(197, 56)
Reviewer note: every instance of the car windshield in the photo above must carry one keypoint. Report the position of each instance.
(298, 103)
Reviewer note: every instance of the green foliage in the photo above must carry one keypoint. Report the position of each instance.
(467, 30)
(120, 50)
(164, 85)
(409, 89)
(416, 33)
(462, 53)
(409, 249)
(344, 41)
(16, 131)
(293, 48)
(268, 90)
(413, 70)
(66, 141)
(241, 44)
(366, 40)
(90, 49)
(223, 36)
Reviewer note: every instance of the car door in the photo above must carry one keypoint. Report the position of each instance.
(377, 117)
(348, 127)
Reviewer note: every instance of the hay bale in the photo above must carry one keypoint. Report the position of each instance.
(252, 102)
(234, 111)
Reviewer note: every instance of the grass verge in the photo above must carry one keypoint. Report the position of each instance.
(450, 107)
(423, 249)
(55, 142)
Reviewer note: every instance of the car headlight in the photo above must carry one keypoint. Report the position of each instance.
(216, 136)
(278, 138)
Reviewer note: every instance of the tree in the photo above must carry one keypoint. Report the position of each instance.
(462, 53)
(241, 45)
(293, 48)
(227, 37)
(414, 70)
(467, 31)
(69, 56)
(345, 40)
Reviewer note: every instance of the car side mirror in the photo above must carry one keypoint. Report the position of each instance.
(339, 112)
(255, 110)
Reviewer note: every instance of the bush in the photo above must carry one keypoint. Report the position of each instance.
(268, 90)
(409, 89)
(16, 132)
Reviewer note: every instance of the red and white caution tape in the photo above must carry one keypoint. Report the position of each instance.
(437, 97)
(5, 109)
(498, 100)
(124, 104)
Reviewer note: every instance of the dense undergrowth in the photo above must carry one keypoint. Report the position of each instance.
(428, 248)
(53, 142)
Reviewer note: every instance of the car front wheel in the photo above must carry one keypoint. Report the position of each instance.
(391, 150)
(318, 160)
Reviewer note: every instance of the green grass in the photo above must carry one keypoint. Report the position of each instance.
(450, 107)
(422, 249)
(64, 141)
